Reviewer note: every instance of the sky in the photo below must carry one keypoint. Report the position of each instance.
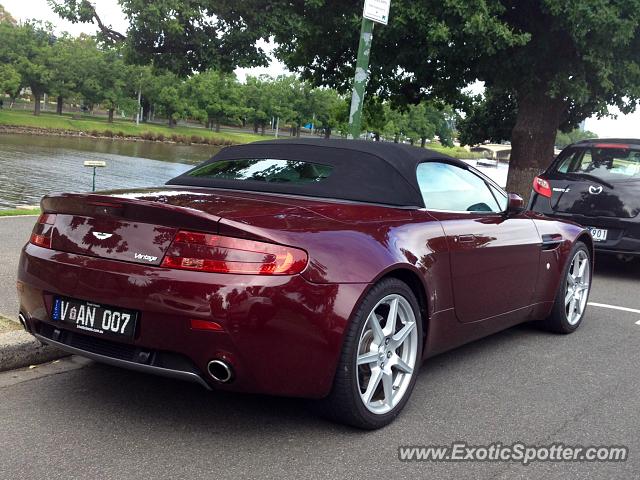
(110, 13)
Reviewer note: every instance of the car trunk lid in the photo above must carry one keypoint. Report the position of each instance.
(592, 197)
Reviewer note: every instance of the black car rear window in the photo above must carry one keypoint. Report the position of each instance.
(607, 163)
(264, 170)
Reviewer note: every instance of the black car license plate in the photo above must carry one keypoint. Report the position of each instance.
(95, 318)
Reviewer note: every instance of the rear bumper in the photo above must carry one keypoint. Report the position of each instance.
(282, 335)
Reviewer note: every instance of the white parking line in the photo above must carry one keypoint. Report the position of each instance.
(615, 307)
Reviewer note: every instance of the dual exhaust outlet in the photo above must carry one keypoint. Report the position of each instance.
(220, 371)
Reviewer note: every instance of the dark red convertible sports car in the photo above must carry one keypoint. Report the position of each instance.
(320, 269)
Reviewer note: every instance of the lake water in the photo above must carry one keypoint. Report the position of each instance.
(32, 166)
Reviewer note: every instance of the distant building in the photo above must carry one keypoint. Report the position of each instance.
(496, 151)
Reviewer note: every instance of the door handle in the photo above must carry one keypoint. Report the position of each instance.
(466, 238)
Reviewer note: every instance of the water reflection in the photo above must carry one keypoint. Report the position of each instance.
(31, 166)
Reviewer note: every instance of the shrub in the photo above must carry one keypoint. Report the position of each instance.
(108, 133)
(94, 133)
(196, 139)
(121, 134)
(160, 137)
(175, 138)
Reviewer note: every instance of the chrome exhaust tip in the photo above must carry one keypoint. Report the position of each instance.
(220, 371)
(23, 322)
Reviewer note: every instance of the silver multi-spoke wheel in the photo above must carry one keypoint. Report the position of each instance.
(578, 278)
(387, 353)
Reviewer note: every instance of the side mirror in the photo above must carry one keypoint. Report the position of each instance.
(515, 203)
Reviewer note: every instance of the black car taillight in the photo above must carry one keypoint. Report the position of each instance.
(542, 186)
(205, 252)
(41, 235)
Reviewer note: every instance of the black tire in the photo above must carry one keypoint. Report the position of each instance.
(344, 404)
(557, 321)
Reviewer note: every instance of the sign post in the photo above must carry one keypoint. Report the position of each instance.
(94, 164)
(374, 11)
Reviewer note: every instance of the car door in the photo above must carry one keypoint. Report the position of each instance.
(494, 256)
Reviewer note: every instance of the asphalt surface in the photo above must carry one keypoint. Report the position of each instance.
(78, 419)
(14, 233)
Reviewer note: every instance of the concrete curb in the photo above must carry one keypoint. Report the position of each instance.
(18, 349)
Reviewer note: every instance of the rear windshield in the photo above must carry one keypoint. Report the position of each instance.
(264, 170)
(606, 163)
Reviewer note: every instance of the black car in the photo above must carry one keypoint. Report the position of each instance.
(596, 183)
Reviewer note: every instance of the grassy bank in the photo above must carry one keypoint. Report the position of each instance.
(19, 211)
(100, 126)
(455, 152)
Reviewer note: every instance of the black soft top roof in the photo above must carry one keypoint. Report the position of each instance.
(375, 172)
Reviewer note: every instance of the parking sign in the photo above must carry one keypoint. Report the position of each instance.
(377, 10)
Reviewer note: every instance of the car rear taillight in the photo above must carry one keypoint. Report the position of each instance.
(205, 252)
(41, 235)
(541, 186)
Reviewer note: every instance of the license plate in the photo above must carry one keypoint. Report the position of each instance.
(598, 234)
(95, 318)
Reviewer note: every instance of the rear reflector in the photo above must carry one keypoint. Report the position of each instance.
(204, 252)
(41, 235)
(541, 186)
(205, 325)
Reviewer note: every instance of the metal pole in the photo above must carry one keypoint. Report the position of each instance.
(360, 79)
(94, 179)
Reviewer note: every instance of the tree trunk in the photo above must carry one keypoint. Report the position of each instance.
(172, 122)
(297, 131)
(396, 138)
(217, 125)
(111, 110)
(255, 127)
(146, 108)
(37, 97)
(59, 103)
(423, 141)
(532, 140)
(263, 127)
(327, 133)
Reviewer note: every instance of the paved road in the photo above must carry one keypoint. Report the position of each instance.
(87, 420)
(14, 233)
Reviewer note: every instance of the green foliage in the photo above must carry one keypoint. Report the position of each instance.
(9, 80)
(181, 36)
(489, 118)
(564, 139)
(214, 97)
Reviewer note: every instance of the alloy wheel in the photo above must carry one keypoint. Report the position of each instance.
(577, 290)
(387, 354)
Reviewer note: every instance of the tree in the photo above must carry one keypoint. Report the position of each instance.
(258, 102)
(9, 81)
(117, 83)
(27, 48)
(72, 61)
(180, 36)
(562, 61)
(490, 117)
(215, 96)
(168, 92)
